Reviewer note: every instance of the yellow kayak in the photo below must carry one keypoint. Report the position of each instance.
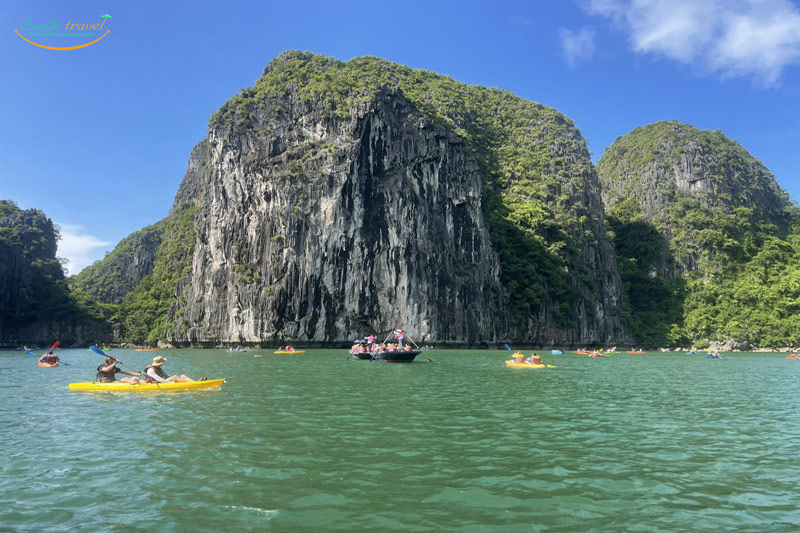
(290, 351)
(527, 365)
(145, 387)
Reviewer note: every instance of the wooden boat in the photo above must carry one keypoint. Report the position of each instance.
(146, 349)
(398, 356)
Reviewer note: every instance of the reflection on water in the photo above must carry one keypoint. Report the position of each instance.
(633, 442)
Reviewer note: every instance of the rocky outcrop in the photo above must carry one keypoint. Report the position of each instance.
(704, 234)
(109, 280)
(326, 214)
(326, 229)
(27, 251)
(36, 306)
(671, 170)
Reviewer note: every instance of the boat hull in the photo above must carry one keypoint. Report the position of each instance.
(119, 386)
(397, 357)
(47, 365)
(290, 351)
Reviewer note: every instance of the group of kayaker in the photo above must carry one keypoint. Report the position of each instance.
(108, 370)
(153, 373)
(534, 359)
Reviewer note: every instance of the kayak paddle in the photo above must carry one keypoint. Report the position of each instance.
(98, 351)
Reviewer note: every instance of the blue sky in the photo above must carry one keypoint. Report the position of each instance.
(99, 137)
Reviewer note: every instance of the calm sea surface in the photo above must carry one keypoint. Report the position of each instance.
(316, 442)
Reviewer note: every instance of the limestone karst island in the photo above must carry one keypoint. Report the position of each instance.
(335, 198)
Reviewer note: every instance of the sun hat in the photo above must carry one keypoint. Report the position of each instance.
(158, 361)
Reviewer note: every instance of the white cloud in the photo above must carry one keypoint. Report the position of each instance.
(577, 45)
(754, 39)
(79, 249)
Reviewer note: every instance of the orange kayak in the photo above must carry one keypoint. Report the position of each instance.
(47, 365)
(793, 356)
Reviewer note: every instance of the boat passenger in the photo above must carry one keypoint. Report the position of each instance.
(156, 374)
(519, 358)
(407, 348)
(107, 372)
(535, 359)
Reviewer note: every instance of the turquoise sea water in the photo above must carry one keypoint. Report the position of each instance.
(316, 442)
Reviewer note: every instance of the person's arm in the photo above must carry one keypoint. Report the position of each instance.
(131, 373)
(152, 373)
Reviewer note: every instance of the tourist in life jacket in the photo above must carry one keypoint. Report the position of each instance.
(107, 372)
(156, 374)
(49, 358)
(535, 359)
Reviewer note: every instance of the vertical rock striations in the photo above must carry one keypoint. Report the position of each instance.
(320, 228)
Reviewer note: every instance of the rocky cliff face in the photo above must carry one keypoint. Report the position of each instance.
(35, 304)
(337, 199)
(27, 237)
(327, 229)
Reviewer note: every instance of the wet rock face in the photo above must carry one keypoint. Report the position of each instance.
(320, 228)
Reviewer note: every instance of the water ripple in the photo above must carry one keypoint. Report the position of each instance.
(661, 442)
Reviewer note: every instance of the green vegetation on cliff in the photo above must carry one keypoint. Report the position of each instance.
(109, 280)
(142, 316)
(35, 300)
(694, 214)
(653, 305)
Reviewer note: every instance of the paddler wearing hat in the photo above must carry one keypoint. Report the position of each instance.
(156, 374)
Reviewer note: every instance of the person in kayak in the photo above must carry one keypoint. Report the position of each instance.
(49, 358)
(535, 359)
(156, 374)
(107, 372)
